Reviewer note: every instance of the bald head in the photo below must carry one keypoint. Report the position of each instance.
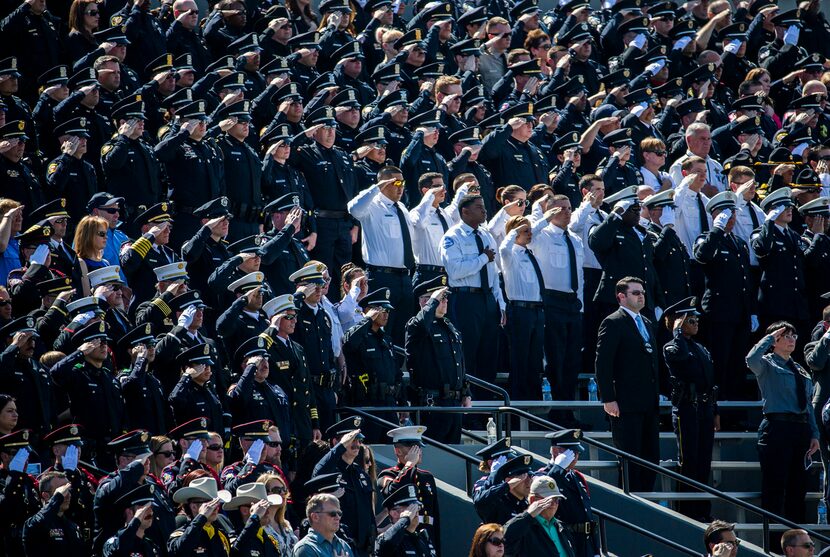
(813, 87)
(182, 6)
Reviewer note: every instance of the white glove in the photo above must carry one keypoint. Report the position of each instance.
(255, 451)
(775, 213)
(69, 460)
(722, 219)
(681, 43)
(667, 218)
(639, 109)
(639, 41)
(194, 450)
(733, 47)
(40, 255)
(658, 312)
(18, 463)
(655, 67)
(186, 318)
(83, 318)
(565, 459)
(498, 462)
(624, 204)
(354, 291)
(608, 4)
(754, 323)
(791, 36)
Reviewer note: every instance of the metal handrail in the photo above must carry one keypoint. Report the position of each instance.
(487, 386)
(603, 516)
(627, 458)
(470, 460)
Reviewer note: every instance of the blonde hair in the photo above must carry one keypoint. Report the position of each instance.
(508, 193)
(515, 222)
(85, 237)
(279, 516)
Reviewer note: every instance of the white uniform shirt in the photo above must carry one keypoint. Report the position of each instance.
(687, 215)
(520, 280)
(714, 172)
(551, 251)
(426, 241)
(583, 219)
(462, 261)
(383, 237)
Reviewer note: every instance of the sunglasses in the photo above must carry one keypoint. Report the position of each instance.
(522, 203)
(692, 321)
(214, 447)
(332, 513)
(101, 234)
(496, 541)
(62, 220)
(165, 454)
(273, 444)
(109, 210)
(658, 153)
(93, 13)
(114, 287)
(279, 490)
(4, 303)
(808, 545)
(289, 317)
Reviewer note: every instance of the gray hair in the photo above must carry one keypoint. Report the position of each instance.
(696, 128)
(316, 503)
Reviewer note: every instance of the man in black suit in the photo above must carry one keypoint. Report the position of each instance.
(626, 370)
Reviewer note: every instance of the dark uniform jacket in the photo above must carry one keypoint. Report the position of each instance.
(783, 288)
(243, 177)
(251, 400)
(525, 537)
(131, 171)
(622, 253)
(190, 400)
(255, 540)
(397, 541)
(626, 366)
(513, 162)
(495, 503)
(575, 510)
(329, 174)
(138, 259)
(198, 538)
(125, 543)
(46, 533)
(18, 182)
(28, 382)
(671, 262)
(816, 269)
(728, 297)
(144, 398)
(417, 160)
(236, 325)
(313, 333)
(424, 482)
(356, 503)
(280, 256)
(18, 501)
(194, 167)
(374, 375)
(434, 356)
(690, 367)
(203, 255)
(73, 179)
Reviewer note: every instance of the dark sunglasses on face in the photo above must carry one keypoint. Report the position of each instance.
(273, 444)
(279, 490)
(214, 447)
(101, 233)
(92, 13)
(62, 220)
(110, 210)
(289, 317)
(522, 203)
(4, 303)
(331, 513)
(692, 321)
(659, 153)
(166, 454)
(496, 541)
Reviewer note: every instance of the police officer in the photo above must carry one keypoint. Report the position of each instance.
(313, 333)
(51, 529)
(19, 180)
(356, 501)
(468, 254)
(404, 537)
(171, 282)
(671, 259)
(193, 396)
(695, 413)
(243, 319)
(575, 510)
(208, 249)
(374, 375)
(780, 253)
(137, 509)
(618, 172)
(421, 156)
(144, 395)
(192, 438)
(253, 397)
(291, 371)
(505, 492)
(508, 153)
(243, 170)
(66, 445)
(816, 215)
(200, 534)
(370, 152)
(24, 378)
(94, 393)
(69, 176)
(725, 260)
(408, 445)
(194, 167)
(282, 253)
(141, 257)
(430, 221)
(20, 494)
(252, 437)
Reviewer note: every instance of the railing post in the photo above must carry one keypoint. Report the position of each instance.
(766, 534)
(625, 466)
(497, 418)
(468, 479)
(603, 536)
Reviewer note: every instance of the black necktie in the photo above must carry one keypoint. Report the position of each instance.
(538, 272)
(442, 219)
(572, 262)
(485, 279)
(752, 215)
(408, 257)
(800, 387)
(599, 216)
(704, 221)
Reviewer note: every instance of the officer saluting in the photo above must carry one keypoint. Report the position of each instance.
(19, 492)
(282, 253)
(207, 249)
(575, 510)
(404, 537)
(435, 360)
(505, 492)
(509, 154)
(141, 257)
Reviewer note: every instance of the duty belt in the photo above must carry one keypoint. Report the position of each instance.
(522, 304)
(325, 379)
(389, 270)
(430, 268)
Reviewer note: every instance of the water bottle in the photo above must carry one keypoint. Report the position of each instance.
(822, 512)
(546, 389)
(491, 431)
(592, 390)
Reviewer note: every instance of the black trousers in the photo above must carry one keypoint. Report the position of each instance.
(591, 317)
(326, 406)
(422, 275)
(400, 296)
(477, 317)
(445, 428)
(694, 425)
(728, 343)
(638, 433)
(782, 447)
(334, 248)
(526, 336)
(563, 343)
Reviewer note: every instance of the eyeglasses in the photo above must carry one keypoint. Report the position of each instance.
(4, 303)
(279, 490)
(658, 153)
(331, 513)
(273, 444)
(806, 545)
(496, 541)
(522, 203)
(692, 321)
(92, 13)
(289, 317)
(101, 234)
(62, 220)
(791, 336)
(166, 454)
(214, 447)
(109, 210)
(114, 287)
(637, 293)
(733, 543)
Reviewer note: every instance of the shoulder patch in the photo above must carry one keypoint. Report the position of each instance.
(53, 167)
(106, 149)
(448, 242)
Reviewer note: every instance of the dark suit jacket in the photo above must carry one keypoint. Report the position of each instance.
(626, 367)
